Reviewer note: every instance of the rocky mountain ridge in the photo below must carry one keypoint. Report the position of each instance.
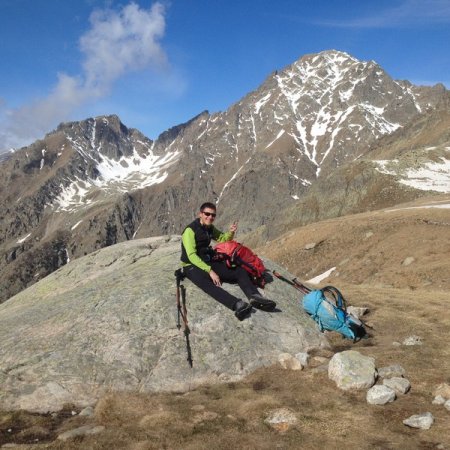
(94, 183)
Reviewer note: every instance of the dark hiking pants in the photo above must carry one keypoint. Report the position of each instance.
(238, 275)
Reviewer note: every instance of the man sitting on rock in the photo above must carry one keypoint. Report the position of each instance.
(200, 267)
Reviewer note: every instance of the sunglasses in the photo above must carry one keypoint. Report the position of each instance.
(207, 214)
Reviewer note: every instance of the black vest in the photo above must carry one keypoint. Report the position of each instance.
(203, 236)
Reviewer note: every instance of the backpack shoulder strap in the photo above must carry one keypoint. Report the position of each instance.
(338, 297)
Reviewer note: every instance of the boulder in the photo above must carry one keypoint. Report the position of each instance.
(380, 395)
(444, 390)
(289, 362)
(395, 370)
(439, 400)
(412, 340)
(422, 421)
(357, 311)
(352, 371)
(398, 384)
(303, 358)
(281, 419)
(107, 321)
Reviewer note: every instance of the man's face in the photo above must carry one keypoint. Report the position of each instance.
(207, 216)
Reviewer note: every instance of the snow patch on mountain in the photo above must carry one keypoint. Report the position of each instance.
(231, 179)
(276, 139)
(432, 176)
(260, 103)
(115, 176)
(436, 205)
(319, 278)
(74, 226)
(22, 240)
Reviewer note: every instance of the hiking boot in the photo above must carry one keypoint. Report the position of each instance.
(242, 309)
(263, 303)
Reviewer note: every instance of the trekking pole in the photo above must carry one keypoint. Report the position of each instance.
(294, 283)
(178, 301)
(182, 313)
(187, 330)
(301, 286)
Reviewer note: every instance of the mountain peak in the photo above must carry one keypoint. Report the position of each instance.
(101, 182)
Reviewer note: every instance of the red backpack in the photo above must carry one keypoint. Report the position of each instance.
(236, 254)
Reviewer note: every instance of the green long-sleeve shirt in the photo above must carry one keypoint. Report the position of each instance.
(188, 239)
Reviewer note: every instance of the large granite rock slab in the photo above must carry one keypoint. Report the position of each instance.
(107, 321)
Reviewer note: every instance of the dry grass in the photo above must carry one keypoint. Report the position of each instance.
(370, 248)
(232, 415)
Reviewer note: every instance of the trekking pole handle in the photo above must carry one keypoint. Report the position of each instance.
(301, 286)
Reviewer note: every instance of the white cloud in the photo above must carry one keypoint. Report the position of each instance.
(407, 13)
(120, 43)
(117, 43)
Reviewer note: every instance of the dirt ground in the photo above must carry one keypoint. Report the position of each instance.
(369, 253)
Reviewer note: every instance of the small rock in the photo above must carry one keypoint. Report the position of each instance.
(310, 246)
(323, 352)
(413, 340)
(408, 261)
(380, 395)
(368, 234)
(287, 361)
(422, 421)
(281, 419)
(198, 408)
(438, 400)
(447, 405)
(357, 311)
(320, 360)
(320, 369)
(205, 416)
(395, 370)
(81, 431)
(303, 357)
(155, 418)
(350, 370)
(87, 412)
(396, 344)
(444, 390)
(398, 384)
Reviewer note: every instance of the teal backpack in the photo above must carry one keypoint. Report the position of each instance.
(327, 307)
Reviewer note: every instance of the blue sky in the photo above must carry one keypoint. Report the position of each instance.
(158, 64)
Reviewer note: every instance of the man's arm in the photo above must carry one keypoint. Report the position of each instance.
(188, 239)
(222, 237)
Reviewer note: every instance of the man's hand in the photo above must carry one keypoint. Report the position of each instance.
(233, 226)
(215, 278)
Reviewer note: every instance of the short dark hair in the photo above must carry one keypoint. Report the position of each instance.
(207, 205)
